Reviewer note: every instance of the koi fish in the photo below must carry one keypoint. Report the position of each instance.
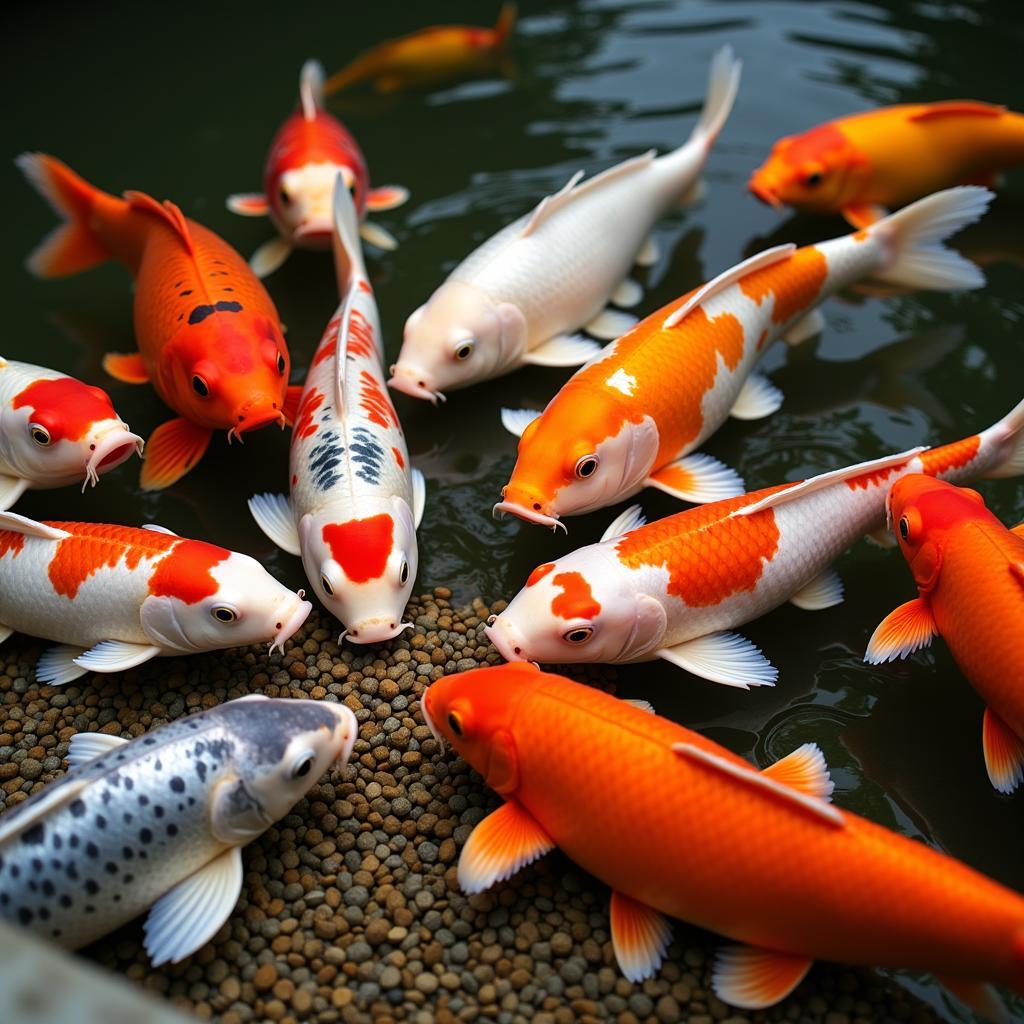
(969, 571)
(864, 164)
(634, 416)
(55, 430)
(307, 154)
(676, 588)
(158, 823)
(355, 502)
(521, 295)
(430, 56)
(112, 597)
(209, 336)
(816, 883)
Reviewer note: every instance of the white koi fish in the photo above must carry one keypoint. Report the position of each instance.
(113, 597)
(524, 293)
(355, 503)
(158, 822)
(56, 430)
(675, 589)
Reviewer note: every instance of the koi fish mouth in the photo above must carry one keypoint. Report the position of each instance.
(530, 515)
(414, 388)
(110, 451)
(286, 629)
(313, 233)
(500, 634)
(375, 631)
(250, 421)
(763, 193)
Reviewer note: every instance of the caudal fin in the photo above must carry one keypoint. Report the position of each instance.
(503, 26)
(723, 84)
(72, 246)
(311, 88)
(917, 257)
(1007, 436)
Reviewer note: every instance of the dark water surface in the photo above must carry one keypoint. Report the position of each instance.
(181, 101)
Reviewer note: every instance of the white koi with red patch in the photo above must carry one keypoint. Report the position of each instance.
(674, 589)
(634, 415)
(56, 430)
(355, 502)
(116, 596)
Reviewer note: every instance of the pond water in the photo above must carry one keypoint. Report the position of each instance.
(182, 103)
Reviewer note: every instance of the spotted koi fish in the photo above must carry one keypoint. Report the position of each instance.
(522, 296)
(209, 335)
(113, 597)
(762, 857)
(309, 151)
(55, 430)
(355, 502)
(969, 571)
(634, 416)
(675, 589)
(864, 164)
(158, 823)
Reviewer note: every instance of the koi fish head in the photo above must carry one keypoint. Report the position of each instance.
(607, 457)
(206, 598)
(60, 431)
(820, 171)
(279, 749)
(460, 337)
(922, 511)
(227, 369)
(474, 712)
(300, 201)
(582, 608)
(363, 570)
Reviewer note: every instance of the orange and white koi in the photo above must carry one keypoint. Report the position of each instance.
(309, 151)
(428, 57)
(969, 571)
(761, 857)
(867, 163)
(209, 336)
(56, 430)
(520, 297)
(676, 588)
(113, 597)
(634, 416)
(355, 501)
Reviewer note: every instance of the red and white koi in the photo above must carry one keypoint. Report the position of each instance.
(113, 597)
(309, 151)
(355, 502)
(522, 296)
(676, 588)
(635, 415)
(56, 430)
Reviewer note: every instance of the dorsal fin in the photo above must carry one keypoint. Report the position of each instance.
(14, 523)
(165, 210)
(311, 88)
(816, 483)
(569, 193)
(730, 277)
(351, 273)
(958, 108)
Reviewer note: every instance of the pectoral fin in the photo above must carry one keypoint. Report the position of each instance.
(504, 842)
(274, 516)
(188, 916)
(173, 449)
(981, 998)
(292, 396)
(378, 236)
(758, 398)
(269, 256)
(631, 518)
(640, 936)
(641, 705)
(249, 204)
(386, 197)
(725, 658)
(903, 631)
(115, 656)
(56, 665)
(753, 978)
(563, 350)
(419, 496)
(698, 478)
(87, 746)
(126, 367)
(824, 591)
(806, 327)
(864, 216)
(1004, 753)
(515, 421)
(649, 254)
(609, 324)
(805, 770)
(11, 489)
(628, 294)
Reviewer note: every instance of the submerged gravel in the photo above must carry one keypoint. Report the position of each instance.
(350, 909)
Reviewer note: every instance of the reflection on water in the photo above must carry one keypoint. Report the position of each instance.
(596, 81)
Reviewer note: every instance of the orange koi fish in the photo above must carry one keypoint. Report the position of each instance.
(428, 57)
(209, 336)
(969, 571)
(863, 165)
(761, 857)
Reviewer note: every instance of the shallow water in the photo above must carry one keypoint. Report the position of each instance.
(184, 105)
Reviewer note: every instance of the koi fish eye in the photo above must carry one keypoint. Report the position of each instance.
(200, 387)
(814, 179)
(280, 362)
(222, 613)
(465, 350)
(578, 634)
(455, 723)
(326, 584)
(403, 575)
(285, 197)
(587, 466)
(39, 434)
(303, 764)
(904, 527)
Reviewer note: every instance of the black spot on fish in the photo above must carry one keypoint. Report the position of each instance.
(77, 808)
(73, 842)
(128, 879)
(172, 829)
(200, 313)
(33, 886)
(149, 741)
(199, 748)
(106, 796)
(37, 864)
(15, 871)
(228, 289)
(192, 799)
(110, 867)
(91, 849)
(187, 291)
(58, 841)
(178, 784)
(143, 855)
(143, 799)
(127, 817)
(101, 822)
(127, 852)
(158, 810)
(92, 886)
(178, 284)
(56, 933)
(48, 887)
(158, 765)
(56, 864)
(201, 770)
(367, 454)
(65, 900)
(117, 897)
(90, 909)
(146, 835)
(72, 872)
(129, 783)
(34, 835)
(25, 915)
(181, 807)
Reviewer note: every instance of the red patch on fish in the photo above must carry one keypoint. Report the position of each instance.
(361, 546)
(360, 335)
(576, 600)
(398, 458)
(185, 571)
(304, 425)
(539, 573)
(325, 352)
(364, 286)
(794, 282)
(12, 542)
(950, 456)
(66, 407)
(377, 404)
(871, 478)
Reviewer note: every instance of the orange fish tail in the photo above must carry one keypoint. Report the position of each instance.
(73, 246)
(505, 23)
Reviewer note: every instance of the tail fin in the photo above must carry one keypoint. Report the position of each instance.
(348, 252)
(723, 84)
(72, 246)
(918, 259)
(505, 23)
(1008, 434)
(311, 88)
